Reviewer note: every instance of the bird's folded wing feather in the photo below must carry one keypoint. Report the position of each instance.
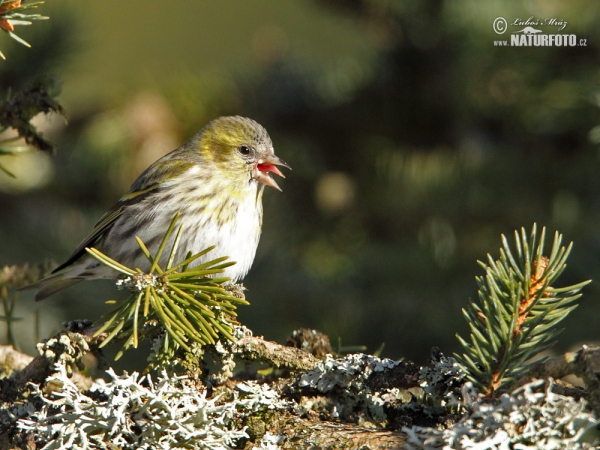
(106, 222)
(154, 178)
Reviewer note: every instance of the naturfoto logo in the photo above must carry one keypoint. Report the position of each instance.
(535, 32)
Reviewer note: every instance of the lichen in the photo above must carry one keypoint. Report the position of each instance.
(131, 411)
(532, 417)
(269, 442)
(348, 373)
(172, 411)
(360, 384)
(66, 349)
(138, 282)
(441, 382)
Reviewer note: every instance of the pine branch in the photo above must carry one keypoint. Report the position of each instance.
(189, 303)
(14, 12)
(17, 110)
(517, 312)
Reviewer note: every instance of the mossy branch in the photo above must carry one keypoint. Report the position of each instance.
(517, 312)
(190, 304)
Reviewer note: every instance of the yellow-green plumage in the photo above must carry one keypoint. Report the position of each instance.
(215, 181)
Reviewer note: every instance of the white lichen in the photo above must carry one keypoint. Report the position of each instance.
(131, 411)
(269, 442)
(346, 378)
(67, 349)
(347, 373)
(173, 412)
(225, 353)
(140, 281)
(529, 418)
(441, 382)
(260, 397)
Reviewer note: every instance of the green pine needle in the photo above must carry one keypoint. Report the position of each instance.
(517, 311)
(12, 12)
(190, 305)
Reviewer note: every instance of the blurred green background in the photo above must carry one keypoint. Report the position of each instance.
(414, 141)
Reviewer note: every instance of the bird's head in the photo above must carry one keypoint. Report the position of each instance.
(241, 150)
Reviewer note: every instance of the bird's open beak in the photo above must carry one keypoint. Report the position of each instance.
(265, 165)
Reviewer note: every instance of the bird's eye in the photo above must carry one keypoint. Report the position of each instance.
(244, 150)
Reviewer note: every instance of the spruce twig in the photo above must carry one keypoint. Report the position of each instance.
(190, 305)
(14, 12)
(517, 312)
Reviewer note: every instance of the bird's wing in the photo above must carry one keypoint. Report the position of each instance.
(148, 183)
(106, 222)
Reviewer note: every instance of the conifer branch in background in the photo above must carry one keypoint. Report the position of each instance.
(15, 12)
(14, 277)
(517, 311)
(17, 110)
(189, 303)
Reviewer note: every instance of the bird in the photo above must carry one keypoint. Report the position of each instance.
(215, 182)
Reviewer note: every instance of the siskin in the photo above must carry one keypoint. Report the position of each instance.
(215, 181)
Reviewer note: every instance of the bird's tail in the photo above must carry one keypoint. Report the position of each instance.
(50, 285)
